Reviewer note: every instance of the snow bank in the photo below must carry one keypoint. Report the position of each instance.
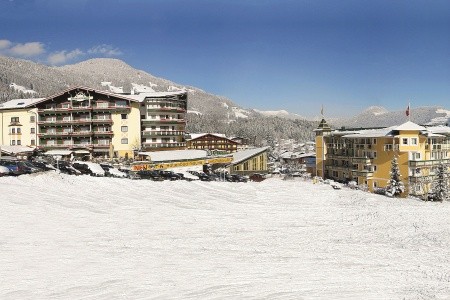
(72, 237)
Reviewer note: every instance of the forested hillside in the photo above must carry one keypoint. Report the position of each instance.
(208, 113)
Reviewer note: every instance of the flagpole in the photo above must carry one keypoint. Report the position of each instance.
(409, 108)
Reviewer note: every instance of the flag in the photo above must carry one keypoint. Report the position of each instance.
(407, 111)
(321, 110)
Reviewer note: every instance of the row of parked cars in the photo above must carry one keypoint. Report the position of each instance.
(13, 167)
(18, 167)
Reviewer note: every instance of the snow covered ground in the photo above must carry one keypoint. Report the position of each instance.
(72, 237)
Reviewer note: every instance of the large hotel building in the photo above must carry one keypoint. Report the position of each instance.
(365, 156)
(97, 123)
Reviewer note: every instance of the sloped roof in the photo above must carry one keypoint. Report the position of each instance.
(175, 155)
(58, 152)
(409, 126)
(370, 133)
(141, 96)
(199, 135)
(241, 156)
(15, 149)
(19, 103)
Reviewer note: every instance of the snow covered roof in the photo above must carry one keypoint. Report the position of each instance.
(15, 149)
(199, 135)
(175, 155)
(19, 103)
(370, 133)
(240, 156)
(141, 96)
(439, 129)
(58, 152)
(409, 126)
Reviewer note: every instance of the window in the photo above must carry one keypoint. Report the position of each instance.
(404, 141)
(124, 141)
(13, 142)
(121, 103)
(33, 130)
(15, 120)
(413, 141)
(13, 130)
(33, 142)
(124, 116)
(19, 130)
(124, 129)
(102, 104)
(32, 119)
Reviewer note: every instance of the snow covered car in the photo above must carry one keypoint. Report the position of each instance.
(4, 171)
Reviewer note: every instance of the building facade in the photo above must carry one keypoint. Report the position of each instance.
(212, 142)
(97, 123)
(365, 156)
(163, 120)
(250, 161)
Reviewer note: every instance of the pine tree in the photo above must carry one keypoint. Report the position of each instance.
(440, 186)
(395, 185)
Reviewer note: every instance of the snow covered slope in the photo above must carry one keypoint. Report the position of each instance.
(81, 237)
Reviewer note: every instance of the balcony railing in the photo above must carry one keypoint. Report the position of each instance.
(74, 121)
(163, 145)
(98, 132)
(166, 108)
(363, 173)
(362, 160)
(111, 107)
(428, 163)
(82, 108)
(164, 121)
(74, 146)
(146, 133)
(63, 109)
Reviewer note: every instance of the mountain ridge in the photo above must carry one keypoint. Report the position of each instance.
(206, 112)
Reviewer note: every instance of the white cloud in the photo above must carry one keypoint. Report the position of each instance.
(5, 44)
(27, 49)
(105, 50)
(61, 57)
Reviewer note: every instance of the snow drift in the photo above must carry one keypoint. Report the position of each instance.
(107, 238)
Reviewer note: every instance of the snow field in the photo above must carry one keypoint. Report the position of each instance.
(71, 237)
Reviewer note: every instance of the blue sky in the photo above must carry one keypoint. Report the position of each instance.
(266, 54)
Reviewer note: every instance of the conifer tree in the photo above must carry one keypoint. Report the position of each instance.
(395, 185)
(440, 187)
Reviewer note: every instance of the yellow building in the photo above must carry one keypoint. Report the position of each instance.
(96, 123)
(365, 156)
(250, 161)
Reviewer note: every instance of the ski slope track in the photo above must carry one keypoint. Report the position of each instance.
(81, 237)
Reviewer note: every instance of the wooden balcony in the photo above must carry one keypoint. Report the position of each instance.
(363, 173)
(428, 163)
(164, 145)
(149, 133)
(163, 121)
(166, 109)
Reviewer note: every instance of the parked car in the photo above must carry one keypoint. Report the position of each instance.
(238, 178)
(4, 171)
(67, 168)
(257, 177)
(13, 167)
(32, 168)
(169, 175)
(150, 174)
(83, 168)
(202, 176)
